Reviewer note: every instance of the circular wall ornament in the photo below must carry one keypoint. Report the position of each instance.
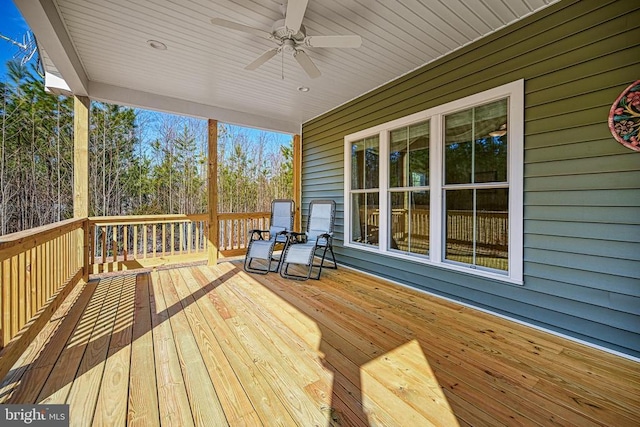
(624, 117)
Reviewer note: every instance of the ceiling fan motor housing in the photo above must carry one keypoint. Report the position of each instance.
(281, 33)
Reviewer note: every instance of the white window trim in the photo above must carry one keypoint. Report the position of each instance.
(515, 172)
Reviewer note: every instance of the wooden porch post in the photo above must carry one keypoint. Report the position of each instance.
(212, 187)
(297, 181)
(80, 156)
(81, 173)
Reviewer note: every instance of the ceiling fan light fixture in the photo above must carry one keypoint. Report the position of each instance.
(291, 36)
(158, 45)
(501, 131)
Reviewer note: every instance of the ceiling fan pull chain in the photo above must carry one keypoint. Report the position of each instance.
(282, 64)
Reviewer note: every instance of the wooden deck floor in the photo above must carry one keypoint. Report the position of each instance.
(215, 346)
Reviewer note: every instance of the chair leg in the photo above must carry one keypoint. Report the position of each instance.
(251, 269)
(333, 258)
(284, 272)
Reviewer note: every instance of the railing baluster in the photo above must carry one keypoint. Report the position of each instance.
(125, 242)
(103, 252)
(187, 231)
(144, 240)
(196, 226)
(6, 301)
(14, 296)
(33, 288)
(135, 241)
(21, 288)
(48, 270)
(155, 239)
(114, 244)
(164, 239)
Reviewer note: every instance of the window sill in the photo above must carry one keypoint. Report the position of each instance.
(424, 260)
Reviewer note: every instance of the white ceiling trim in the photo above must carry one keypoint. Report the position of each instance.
(139, 99)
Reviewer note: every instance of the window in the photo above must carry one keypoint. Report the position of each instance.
(365, 164)
(476, 191)
(443, 186)
(409, 188)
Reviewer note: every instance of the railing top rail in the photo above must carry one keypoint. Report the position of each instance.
(242, 215)
(137, 219)
(20, 241)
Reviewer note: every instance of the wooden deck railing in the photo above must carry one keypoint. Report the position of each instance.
(39, 268)
(234, 230)
(130, 242)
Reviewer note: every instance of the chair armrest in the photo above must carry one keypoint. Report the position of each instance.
(257, 234)
(295, 237)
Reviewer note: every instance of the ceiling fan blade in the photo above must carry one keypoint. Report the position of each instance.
(306, 63)
(262, 59)
(295, 14)
(351, 41)
(240, 27)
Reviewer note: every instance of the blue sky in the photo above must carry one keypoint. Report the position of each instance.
(13, 26)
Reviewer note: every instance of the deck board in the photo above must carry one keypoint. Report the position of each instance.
(234, 401)
(172, 393)
(142, 409)
(216, 346)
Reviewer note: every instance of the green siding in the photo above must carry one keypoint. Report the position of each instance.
(582, 189)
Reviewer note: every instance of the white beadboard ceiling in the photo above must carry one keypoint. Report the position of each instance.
(100, 48)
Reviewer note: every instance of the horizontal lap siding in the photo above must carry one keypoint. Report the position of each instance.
(582, 191)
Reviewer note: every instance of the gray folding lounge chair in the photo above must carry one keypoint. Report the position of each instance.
(301, 248)
(262, 242)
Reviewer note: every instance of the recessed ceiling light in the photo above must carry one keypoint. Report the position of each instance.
(157, 45)
(303, 89)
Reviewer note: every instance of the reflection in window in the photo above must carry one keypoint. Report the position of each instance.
(365, 172)
(476, 144)
(410, 222)
(365, 163)
(476, 188)
(366, 218)
(409, 188)
(477, 230)
(409, 156)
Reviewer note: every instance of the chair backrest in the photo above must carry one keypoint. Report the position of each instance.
(281, 215)
(322, 214)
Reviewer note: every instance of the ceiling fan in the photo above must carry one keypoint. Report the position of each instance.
(291, 37)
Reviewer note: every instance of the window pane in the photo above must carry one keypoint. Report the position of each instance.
(492, 225)
(397, 157)
(459, 226)
(410, 222)
(409, 156)
(419, 155)
(490, 151)
(365, 218)
(478, 236)
(458, 147)
(365, 163)
(476, 144)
